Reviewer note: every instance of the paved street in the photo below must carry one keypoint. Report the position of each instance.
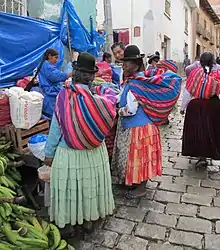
(180, 212)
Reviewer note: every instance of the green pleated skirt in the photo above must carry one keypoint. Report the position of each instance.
(80, 185)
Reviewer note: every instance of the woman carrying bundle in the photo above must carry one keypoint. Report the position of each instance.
(81, 189)
(201, 134)
(146, 101)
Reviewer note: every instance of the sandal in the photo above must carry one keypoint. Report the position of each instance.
(201, 164)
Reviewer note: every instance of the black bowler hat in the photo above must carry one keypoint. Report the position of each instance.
(86, 63)
(153, 58)
(132, 52)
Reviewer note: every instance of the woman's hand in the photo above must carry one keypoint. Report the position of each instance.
(48, 161)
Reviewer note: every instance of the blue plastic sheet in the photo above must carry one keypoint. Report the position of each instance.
(23, 41)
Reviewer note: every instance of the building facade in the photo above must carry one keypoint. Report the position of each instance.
(164, 26)
(207, 29)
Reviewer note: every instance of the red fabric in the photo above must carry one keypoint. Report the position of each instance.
(4, 110)
(123, 36)
(201, 85)
(105, 71)
(23, 82)
(145, 155)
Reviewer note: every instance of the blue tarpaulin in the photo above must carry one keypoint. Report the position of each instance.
(23, 41)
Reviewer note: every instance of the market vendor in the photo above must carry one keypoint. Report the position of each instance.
(50, 80)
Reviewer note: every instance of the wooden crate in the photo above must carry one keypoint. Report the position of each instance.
(20, 137)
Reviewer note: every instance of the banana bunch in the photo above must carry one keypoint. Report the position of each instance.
(31, 234)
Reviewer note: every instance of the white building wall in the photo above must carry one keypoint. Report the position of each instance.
(154, 24)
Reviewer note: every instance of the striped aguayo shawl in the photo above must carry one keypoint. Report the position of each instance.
(156, 94)
(202, 85)
(85, 117)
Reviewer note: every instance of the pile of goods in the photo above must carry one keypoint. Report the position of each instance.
(4, 109)
(19, 227)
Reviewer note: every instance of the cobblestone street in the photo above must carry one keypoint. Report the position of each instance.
(180, 212)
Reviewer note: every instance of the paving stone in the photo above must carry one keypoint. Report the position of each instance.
(181, 165)
(214, 172)
(165, 196)
(151, 185)
(171, 171)
(181, 209)
(128, 242)
(161, 219)
(155, 246)
(163, 178)
(130, 213)
(217, 202)
(125, 202)
(186, 239)
(217, 227)
(201, 191)
(150, 194)
(86, 246)
(194, 225)
(211, 184)
(187, 181)
(195, 174)
(173, 187)
(197, 199)
(210, 213)
(120, 226)
(152, 232)
(105, 238)
(146, 205)
(175, 145)
(167, 165)
(212, 242)
(169, 154)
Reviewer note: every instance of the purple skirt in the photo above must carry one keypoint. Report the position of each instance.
(201, 133)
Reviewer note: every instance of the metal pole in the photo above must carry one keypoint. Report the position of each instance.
(108, 24)
(132, 19)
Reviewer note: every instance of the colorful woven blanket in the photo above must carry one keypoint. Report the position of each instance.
(156, 94)
(202, 85)
(85, 116)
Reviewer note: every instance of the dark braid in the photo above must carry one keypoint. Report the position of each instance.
(207, 60)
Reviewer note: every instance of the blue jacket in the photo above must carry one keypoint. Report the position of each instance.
(50, 79)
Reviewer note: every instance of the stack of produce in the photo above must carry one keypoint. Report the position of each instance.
(19, 227)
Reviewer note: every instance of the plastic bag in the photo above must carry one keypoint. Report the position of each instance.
(25, 107)
(36, 144)
(44, 173)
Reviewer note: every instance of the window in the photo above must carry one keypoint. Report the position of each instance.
(186, 20)
(13, 6)
(205, 24)
(168, 7)
(197, 18)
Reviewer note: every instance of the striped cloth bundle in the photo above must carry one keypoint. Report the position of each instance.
(85, 116)
(202, 85)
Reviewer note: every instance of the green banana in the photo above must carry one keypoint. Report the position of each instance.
(32, 230)
(56, 236)
(2, 167)
(63, 245)
(12, 156)
(5, 247)
(4, 181)
(12, 236)
(25, 210)
(15, 175)
(3, 213)
(33, 242)
(33, 220)
(10, 183)
(70, 247)
(8, 209)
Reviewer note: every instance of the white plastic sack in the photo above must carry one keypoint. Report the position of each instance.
(25, 107)
(36, 144)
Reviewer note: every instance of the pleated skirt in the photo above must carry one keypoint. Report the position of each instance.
(81, 187)
(137, 154)
(201, 133)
